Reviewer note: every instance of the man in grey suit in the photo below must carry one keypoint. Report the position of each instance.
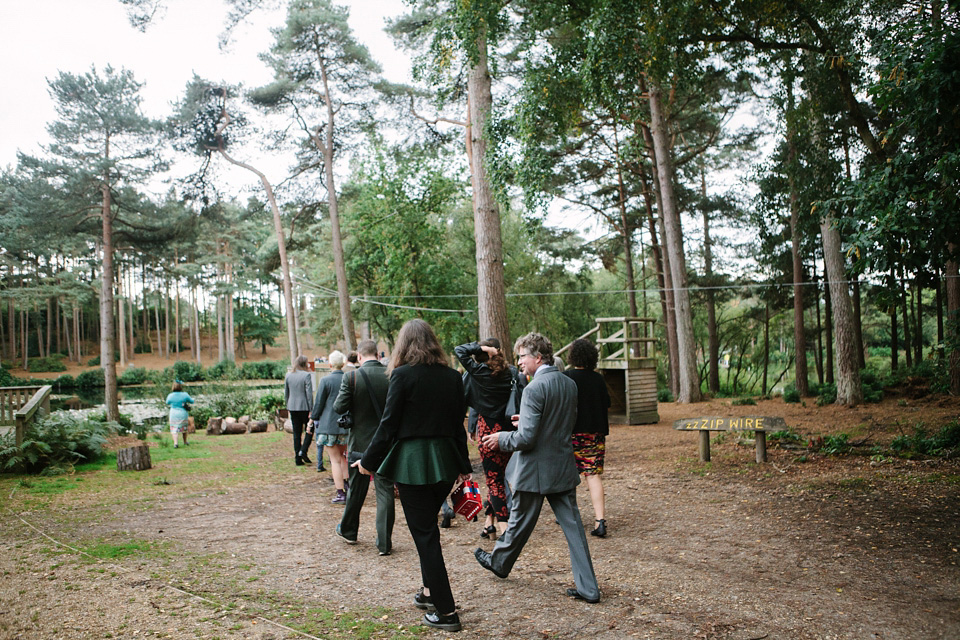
(542, 467)
(355, 396)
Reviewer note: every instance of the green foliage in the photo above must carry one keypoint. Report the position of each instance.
(95, 361)
(791, 395)
(836, 444)
(664, 395)
(744, 400)
(133, 376)
(264, 370)
(785, 436)
(943, 443)
(271, 402)
(225, 400)
(223, 370)
(187, 371)
(201, 414)
(41, 365)
(55, 443)
(827, 394)
(66, 381)
(90, 379)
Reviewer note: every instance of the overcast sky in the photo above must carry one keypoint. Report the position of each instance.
(38, 38)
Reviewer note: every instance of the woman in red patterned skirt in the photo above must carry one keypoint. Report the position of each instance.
(590, 431)
(487, 384)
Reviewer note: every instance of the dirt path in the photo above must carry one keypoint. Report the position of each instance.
(803, 547)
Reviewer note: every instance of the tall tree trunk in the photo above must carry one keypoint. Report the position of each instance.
(130, 307)
(657, 258)
(53, 308)
(849, 391)
(686, 344)
(907, 337)
(713, 340)
(121, 322)
(176, 312)
(938, 279)
(166, 318)
(230, 327)
(11, 329)
(858, 323)
(111, 399)
(828, 327)
(196, 322)
(951, 274)
(626, 233)
(918, 320)
(766, 345)
(156, 317)
(799, 336)
(491, 291)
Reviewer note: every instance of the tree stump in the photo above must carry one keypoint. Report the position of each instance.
(232, 426)
(288, 425)
(258, 426)
(133, 458)
(213, 426)
(281, 416)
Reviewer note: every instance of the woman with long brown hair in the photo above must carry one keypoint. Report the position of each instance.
(487, 384)
(422, 446)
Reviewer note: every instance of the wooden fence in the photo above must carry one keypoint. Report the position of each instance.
(20, 405)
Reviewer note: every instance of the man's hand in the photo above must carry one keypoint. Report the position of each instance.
(492, 441)
(361, 469)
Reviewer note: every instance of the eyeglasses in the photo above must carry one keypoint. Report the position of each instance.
(521, 356)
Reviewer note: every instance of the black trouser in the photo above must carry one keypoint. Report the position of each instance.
(299, 420)
(420, 503)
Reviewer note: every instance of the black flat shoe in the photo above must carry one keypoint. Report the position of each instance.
(423, 602)
(298, 461)
(306, 460)
(573, 593)
(445, 522)
(438, 621)
(488, 531)
(484, 559)
(601, 530)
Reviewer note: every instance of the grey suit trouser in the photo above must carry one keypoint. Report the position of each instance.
(524, 513)
(386, 510)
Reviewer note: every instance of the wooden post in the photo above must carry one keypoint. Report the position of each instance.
(761, 440)
(133, 458)
(704, 446)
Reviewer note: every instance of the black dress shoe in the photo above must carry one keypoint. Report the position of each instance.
(484, 559)
(423, 602)
(445, 522)
(305, 459)
(298, 461)
(601, 530)
(438, 621)
(573, 593)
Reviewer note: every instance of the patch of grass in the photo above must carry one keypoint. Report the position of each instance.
(855, 482)
(745, 400)
(108, 551)
(945, 442)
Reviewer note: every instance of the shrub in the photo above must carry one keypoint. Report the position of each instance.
(271, 402)
(664, 395)
(41, 365)
(133, 375)
(745, 400)
(95, 361)
(791, 395)
(188, 371)
(827, 394)
(65, 381)
(224, 370)
(55, 443)
(946, 442)
(836, 444)
(201, 415)
(228, 400)
(785, 436)
(143, 347)
(90, 379)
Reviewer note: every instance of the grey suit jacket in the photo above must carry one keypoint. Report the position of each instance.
(298, 391)
(544, 462)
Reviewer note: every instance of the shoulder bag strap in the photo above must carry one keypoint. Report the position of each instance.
(373, 398)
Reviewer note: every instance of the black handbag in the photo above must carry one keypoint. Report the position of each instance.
(345, 421)
(513, 402)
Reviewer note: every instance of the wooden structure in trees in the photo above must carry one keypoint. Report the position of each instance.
(628, 363)
(20, 405)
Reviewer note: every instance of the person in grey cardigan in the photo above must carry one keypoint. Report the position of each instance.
(542, 467)
(298, 394)
(328, 431)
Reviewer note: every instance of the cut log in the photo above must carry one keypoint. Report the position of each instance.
(191, 426)
(133, 458)
(213, 426)
(231, 426)
(288, 425)
(280, 418)
(244, 419)
(258, 426)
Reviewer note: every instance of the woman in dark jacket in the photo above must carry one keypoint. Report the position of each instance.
(422, 446)
(590, 431)
(487, 385)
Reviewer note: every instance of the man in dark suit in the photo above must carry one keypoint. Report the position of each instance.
(542, 467)
(355, 392)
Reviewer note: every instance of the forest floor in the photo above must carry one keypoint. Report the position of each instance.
(228, 539)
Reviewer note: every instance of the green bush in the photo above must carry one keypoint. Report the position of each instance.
(188, 371)
(271, 402)
(90, 379)
(787, 435)
(224, 370)
(201, 415)
(836, 444)
(143, 347)
(745, 400)
(66, 381)
(55, 443)
(827, 394)
(664, 395)
(228, 400)
(264, 370)
(791, 395)
(133, 375)
(42, 365)
(95, 361)
(946, 442)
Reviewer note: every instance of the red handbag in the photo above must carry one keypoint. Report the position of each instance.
(466, 499)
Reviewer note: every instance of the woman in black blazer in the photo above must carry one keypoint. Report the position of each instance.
(422, 446)
(590, 431)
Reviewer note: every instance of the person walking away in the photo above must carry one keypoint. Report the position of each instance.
(543, 466)
(363, 393)
(592, 426)
(487, 384)
(422, 446)
(298, 394)
(329, 434)
(177, 400)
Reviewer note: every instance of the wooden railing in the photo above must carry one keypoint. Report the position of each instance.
(622, 342)
(20, 405)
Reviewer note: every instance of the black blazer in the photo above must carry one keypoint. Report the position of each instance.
(486, 393)
(423, 401)
(592, 401)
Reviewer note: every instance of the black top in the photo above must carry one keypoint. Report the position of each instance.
(423, 401)
(592, 401)
(486, 393)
